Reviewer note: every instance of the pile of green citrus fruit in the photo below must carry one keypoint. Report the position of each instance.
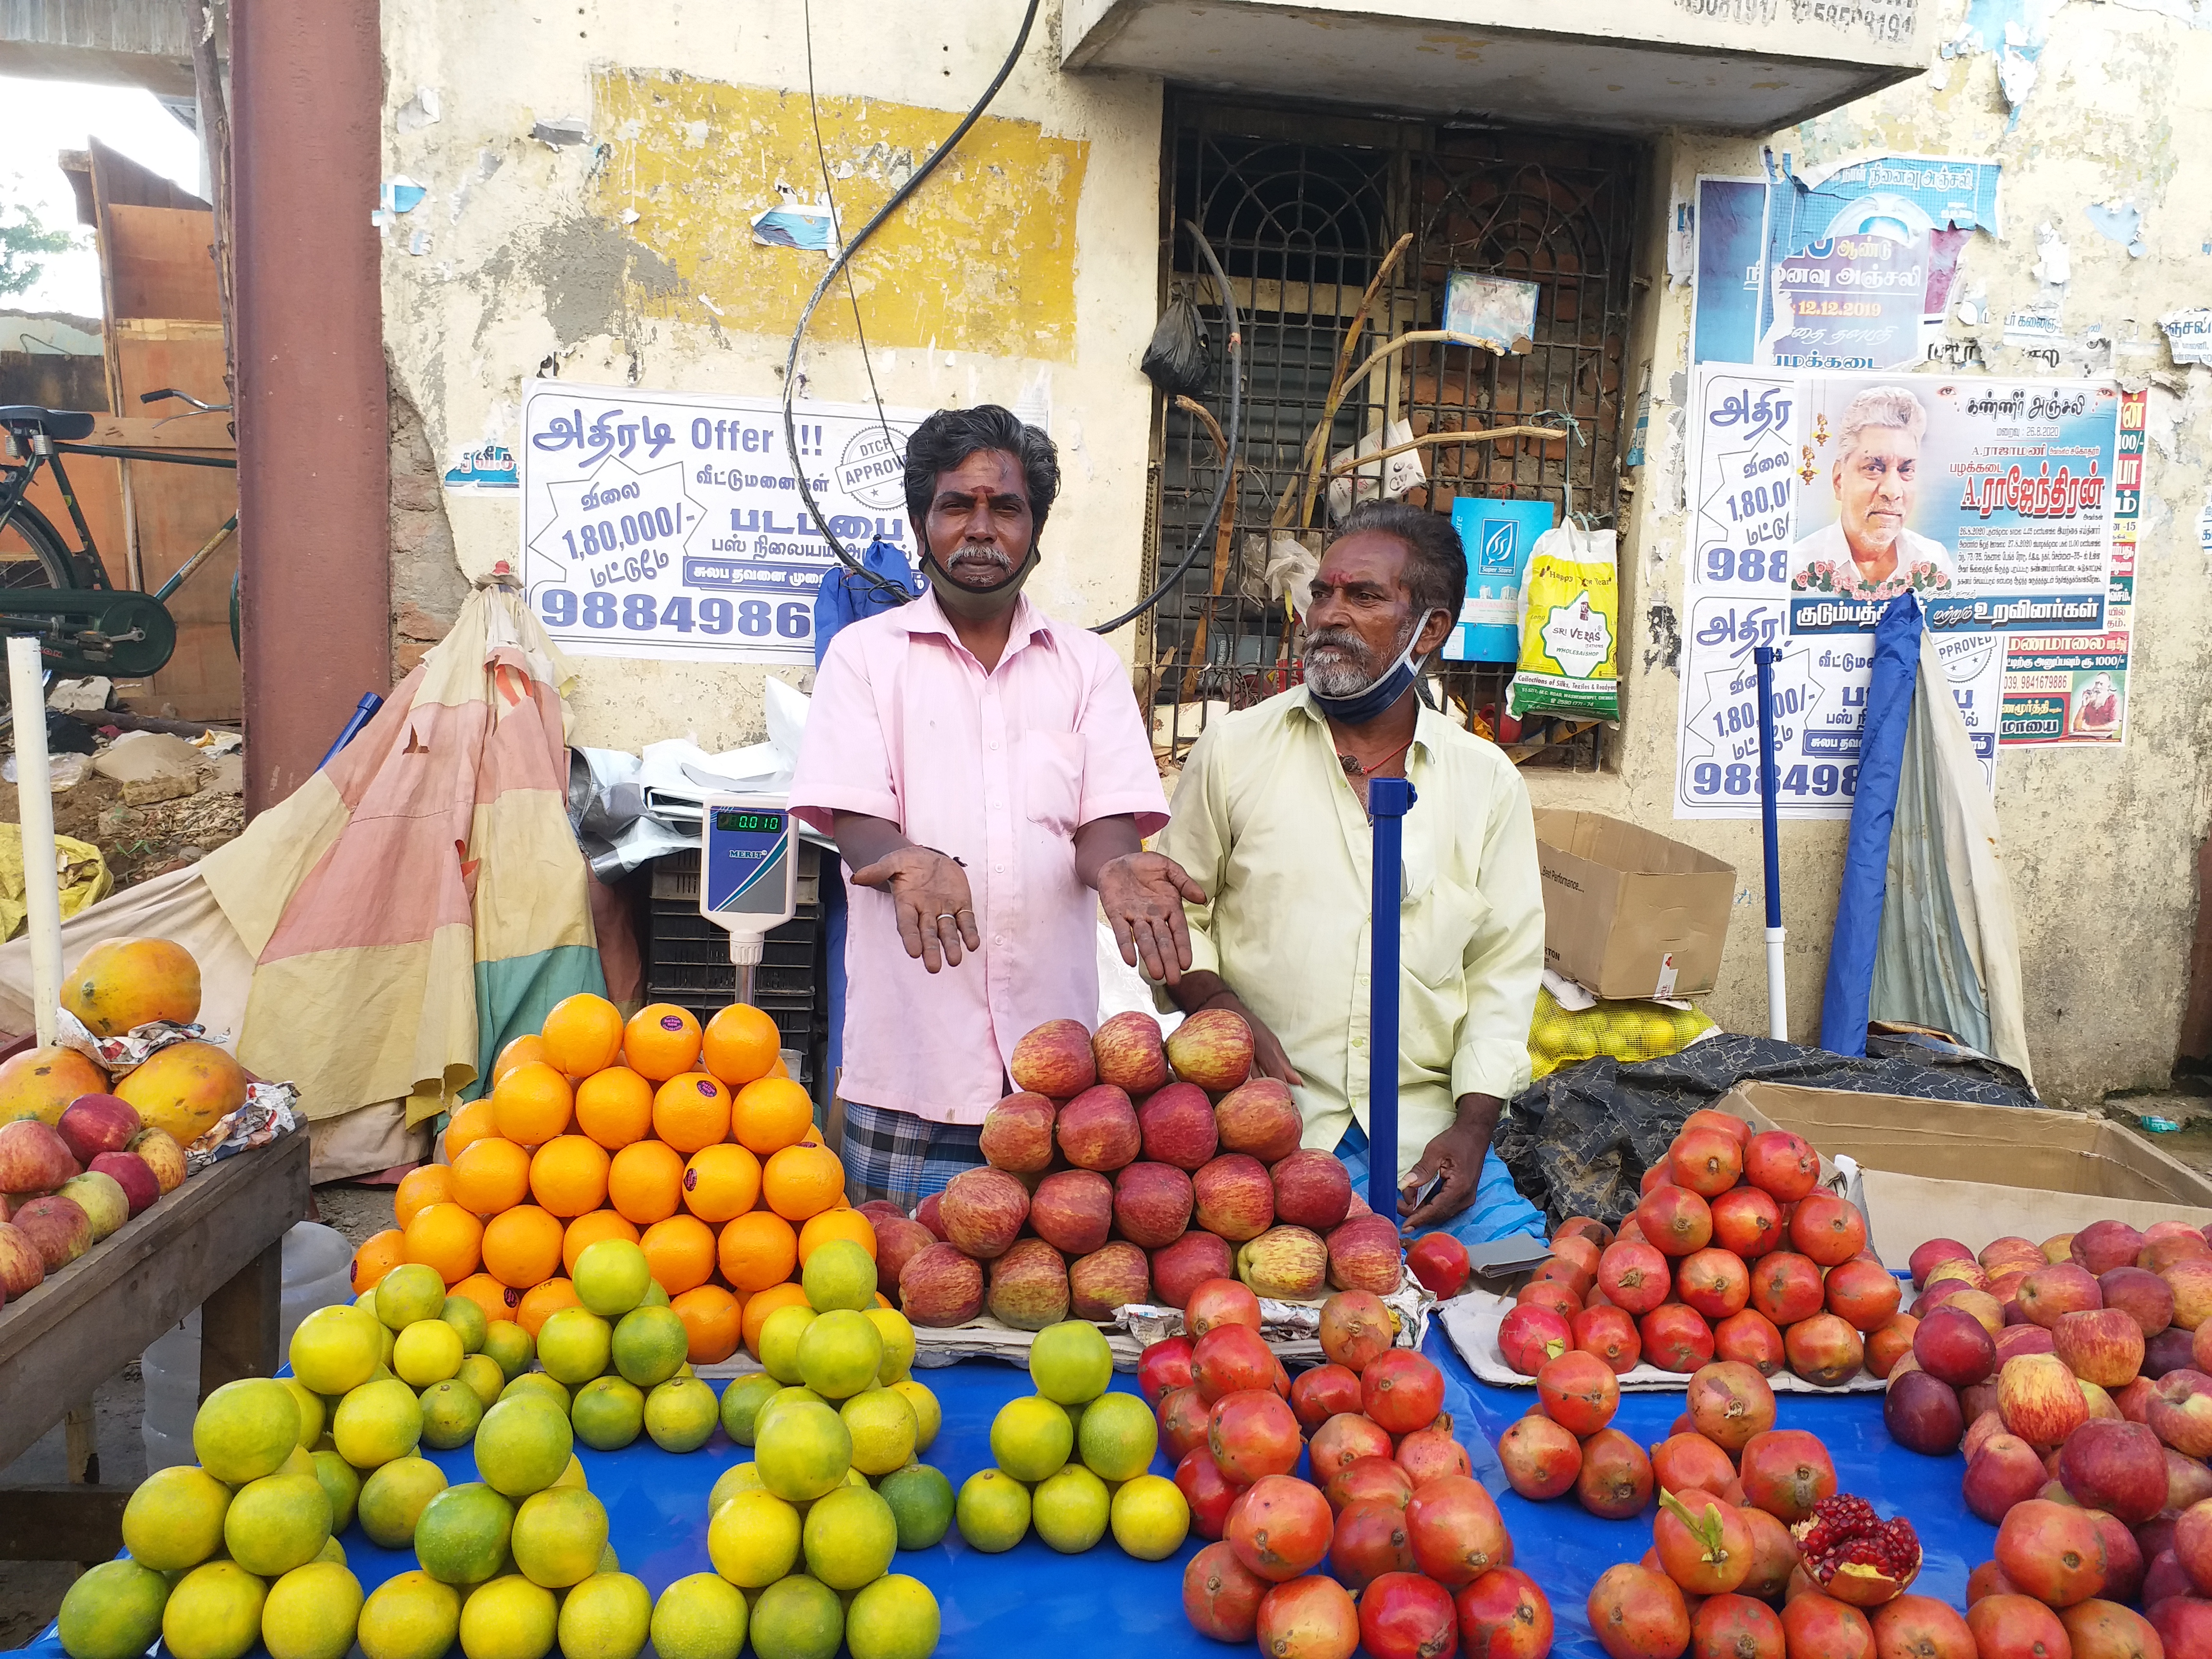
(802, 1537)
(1073, 1460)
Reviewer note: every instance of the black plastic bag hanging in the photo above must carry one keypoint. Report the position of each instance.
(1177, 361)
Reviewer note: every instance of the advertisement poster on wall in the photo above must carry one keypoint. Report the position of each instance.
(2007, 506)
(669, 524)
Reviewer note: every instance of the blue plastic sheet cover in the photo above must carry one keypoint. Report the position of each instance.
(1104, 1605)
(1874, 808)
(845, 598)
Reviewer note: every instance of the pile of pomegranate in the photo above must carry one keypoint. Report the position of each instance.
(2076, 1377)
(1731, 1253)
(1417, 1561)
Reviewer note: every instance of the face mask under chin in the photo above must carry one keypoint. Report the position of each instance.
(1357, 706)
(976, 605)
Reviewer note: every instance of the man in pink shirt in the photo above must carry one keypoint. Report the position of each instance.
(985, 770)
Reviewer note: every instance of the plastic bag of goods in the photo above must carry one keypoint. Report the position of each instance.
(1571, 633)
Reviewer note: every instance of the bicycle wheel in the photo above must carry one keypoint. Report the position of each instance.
(31, 554)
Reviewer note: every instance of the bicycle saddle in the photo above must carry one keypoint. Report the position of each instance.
(64, 425)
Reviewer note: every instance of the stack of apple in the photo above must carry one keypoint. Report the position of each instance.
(65, 1186)
(1732, 1253)
(1132, 1169)
(1420, 1558)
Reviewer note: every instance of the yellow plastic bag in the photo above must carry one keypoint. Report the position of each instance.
(1570, 631)
(85, 878)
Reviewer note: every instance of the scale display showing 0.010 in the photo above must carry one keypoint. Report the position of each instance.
(642, 613)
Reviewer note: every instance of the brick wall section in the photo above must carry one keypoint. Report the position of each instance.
(427, 584)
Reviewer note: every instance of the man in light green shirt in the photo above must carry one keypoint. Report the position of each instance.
(1270, 819)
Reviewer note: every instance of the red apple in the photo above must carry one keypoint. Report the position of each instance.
(1073, 1210)
(2180, 1411)
(128, 1171)
(1176, 1125)
(2104, 1346)
(2142, 1293)
(1017, 1134)
(1191, 1261)
(984, 1209)
(57, 1228)
(95, 1124)
(1364, 1254)
(1130, 1053)
(21, 1264)
(2116, 1467)
(1097, 1129)
(1152, 1204)
(34, 1158)
(1259, 1119)
(2040, 1401)
(1212, 1048)
(2064, 1287)
(1055, 1060)
(1112, 1276)
(1235, 1198)
(2103, 1245)
(1312, 1189)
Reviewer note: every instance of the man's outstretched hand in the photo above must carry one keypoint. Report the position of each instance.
(1143, 895)
(929, 892)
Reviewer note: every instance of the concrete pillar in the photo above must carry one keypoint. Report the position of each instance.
(314, 447)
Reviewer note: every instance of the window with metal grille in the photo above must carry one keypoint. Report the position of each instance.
(1303, 209)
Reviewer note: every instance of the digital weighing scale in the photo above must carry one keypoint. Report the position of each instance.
(748, 874)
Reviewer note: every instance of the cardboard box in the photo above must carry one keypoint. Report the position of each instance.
(1628, 912)
(1934, 1169)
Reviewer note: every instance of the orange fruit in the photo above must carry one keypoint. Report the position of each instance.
(770, 1113)
(522, 1247)
(645, 1182)
(448, 1238)
(569, 1174)
(660, 1042)
(421, 1187)
(680, 1251)
(721, 1181)
(519, 1052)
(758, 1307)
(588, 1230)
(582, 1034)
(531, 1103)
(468, 1126)
(802, 1180)
(496, 1300)
(739, 1044)
(491, 1176)
(757, 1250)
(541, 1302)
(691, 1111)
(712, 1319)
(615, 1107)
(835, 1224)
(778, 1069)
(377, 1256)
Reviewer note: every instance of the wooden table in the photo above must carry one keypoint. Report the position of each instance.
(216, 1243)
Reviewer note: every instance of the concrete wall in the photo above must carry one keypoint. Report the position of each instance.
(2101, 845)
(1027, 269)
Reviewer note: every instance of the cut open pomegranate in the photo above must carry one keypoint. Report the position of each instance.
(1854, 1554)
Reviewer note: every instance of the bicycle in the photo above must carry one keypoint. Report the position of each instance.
(84, 624)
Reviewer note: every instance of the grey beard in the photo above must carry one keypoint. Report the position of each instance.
(1346, 675)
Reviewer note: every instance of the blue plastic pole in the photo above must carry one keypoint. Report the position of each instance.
(364, 712)
(1388, 801)
(1764, 657)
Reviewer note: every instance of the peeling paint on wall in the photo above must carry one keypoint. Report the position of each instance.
(983, 260)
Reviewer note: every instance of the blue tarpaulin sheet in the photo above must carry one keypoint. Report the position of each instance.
(1102, 1605)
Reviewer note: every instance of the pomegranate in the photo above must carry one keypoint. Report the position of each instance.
(1988, 1579)
(1383, 1479)
(1891, 1343)
(1707, 1161)
(1610, 1333)
(1402, 1391)
(1431, 1453)
(1311, 1618)
(1344, 1437)
(1553, 1293)
(1747, 1221)
(1221, 1595)
(1323, 1392)
(1638, 1614)
(1582, 1253)
(1503, 1615)
(1587, 1227)
(2104, 1629)
(1818, 1626)
(1542, 1460)
(1251, 1434)
(1733, 1626)
(1824, 1350)
(1920, 1627)
(1579, 1390)
(1229, 1359)
(1686, 1462)
(1439, 1262)
(1219, 1302)
(1281, 1527)
(2005, 1471)
(2011, 1626)
(1182, 1415)
(1571, 1274)
(1676, 1220)
(1854, 1555)
(1781, 1165)
(1369, 1541)
(1703, 1545)
(1529, 1335)
(1750, 1337)
(1729, 1403)
(2051, 1552)
(1675, 1338)
(1786, 1471)
(1922, 1414)
(1355, 1328)
(1787, 1287)
(1714, 1282)
(1208, 1490)
(1163, 1365)
(1828, 1229)
(1615, 1479)
(1403, 1615)
(1456, 1531)
(1634, 1276)
(1773, 1555)
(1864, 1294)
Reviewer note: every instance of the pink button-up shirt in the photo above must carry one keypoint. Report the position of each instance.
(999, 770)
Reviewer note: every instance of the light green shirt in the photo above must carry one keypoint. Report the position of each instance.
(1266, 823)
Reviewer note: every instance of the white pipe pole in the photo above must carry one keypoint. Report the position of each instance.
(1777, 987)
(34, 797)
